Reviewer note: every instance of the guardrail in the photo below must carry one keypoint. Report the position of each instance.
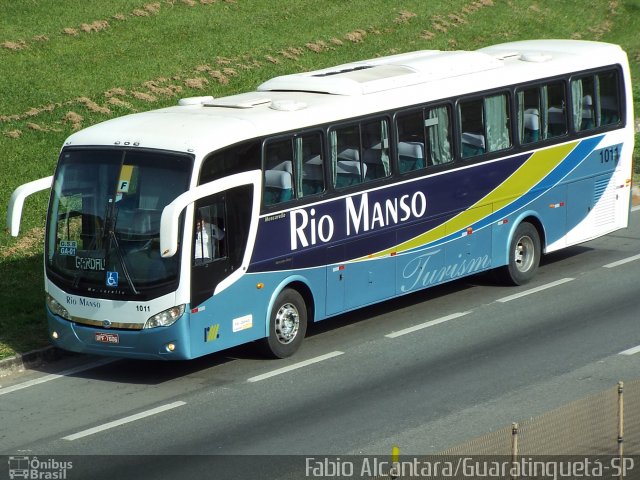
(606, 423)
(597, 436)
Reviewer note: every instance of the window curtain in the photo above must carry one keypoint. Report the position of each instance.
(439, 135)
(520, 100)
(545, 113)
(576, 98)
(597, 106)
(384, 147)
(297, 162)
(497, 123)
(333, 145)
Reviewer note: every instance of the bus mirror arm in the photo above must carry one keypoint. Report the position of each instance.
(170, 219)
(169, 223)
(14, 212)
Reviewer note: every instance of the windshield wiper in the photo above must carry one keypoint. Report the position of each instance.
(110, 232)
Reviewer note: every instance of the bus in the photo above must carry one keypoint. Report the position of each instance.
(187, 230)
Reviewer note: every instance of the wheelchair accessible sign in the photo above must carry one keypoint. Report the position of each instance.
(112, 279)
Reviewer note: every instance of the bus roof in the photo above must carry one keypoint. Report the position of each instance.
(296, 101)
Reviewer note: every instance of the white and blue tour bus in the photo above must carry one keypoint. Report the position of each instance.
(191, 229)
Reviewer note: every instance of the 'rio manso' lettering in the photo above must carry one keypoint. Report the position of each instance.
(361, 215)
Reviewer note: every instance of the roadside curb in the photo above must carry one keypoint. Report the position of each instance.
(29, 360)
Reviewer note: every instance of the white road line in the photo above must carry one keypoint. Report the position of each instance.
(295, 366)
(534, 290)
(431, 323)
(631, 351)
(117, 423)
(55, 376)
(622, 262)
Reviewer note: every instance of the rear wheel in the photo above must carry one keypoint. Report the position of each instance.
(524, 255)
(287, 325)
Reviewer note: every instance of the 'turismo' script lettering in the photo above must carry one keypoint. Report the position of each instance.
(418, 273)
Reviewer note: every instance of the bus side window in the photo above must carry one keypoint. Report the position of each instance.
(310, 161)
(424, 139)
(359, 153)
(293, 168)
(411, 151)
(484, 125)
(438, 128)
(529, 115)
(497, 122)
(235, 159)
(609, 96)
(554, 110)
(345, 156)
(541, 112)
(209, 234)
(472, 141)
(595, 101)
(375, 149)
(278, 172)
(583, 98)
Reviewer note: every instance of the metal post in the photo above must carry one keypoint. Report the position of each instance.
(621, 422)
(514, 445)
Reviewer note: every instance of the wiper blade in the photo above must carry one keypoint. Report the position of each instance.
(114, 239)
(123, 263)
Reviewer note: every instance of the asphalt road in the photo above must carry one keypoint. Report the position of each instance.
(424, 372)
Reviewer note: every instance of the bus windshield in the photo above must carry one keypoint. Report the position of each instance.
(104, 221)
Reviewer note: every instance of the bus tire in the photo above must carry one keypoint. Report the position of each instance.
(524, 255)
(287, 325)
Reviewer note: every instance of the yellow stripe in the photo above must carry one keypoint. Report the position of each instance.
(538, 166)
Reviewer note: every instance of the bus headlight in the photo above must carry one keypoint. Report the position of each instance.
(56, 308)
(166, 318)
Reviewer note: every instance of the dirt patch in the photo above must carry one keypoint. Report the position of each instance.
(96, 26)
(13, 133)
(356, 36)
(93, 106)
(197, 83)
(74, 119)
(404, 16)
(15, 45)
(317, 47)
(28, 244)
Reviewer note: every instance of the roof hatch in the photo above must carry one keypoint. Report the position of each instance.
(238, 101)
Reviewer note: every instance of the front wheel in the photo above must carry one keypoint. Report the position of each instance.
(287, 325)
(524, 255)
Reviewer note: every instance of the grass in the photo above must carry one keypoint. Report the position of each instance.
(65, 66)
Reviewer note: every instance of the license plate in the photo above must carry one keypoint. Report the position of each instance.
(107, 338)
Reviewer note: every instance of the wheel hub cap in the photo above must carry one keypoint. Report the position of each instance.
(524, 254)
(287, 323)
